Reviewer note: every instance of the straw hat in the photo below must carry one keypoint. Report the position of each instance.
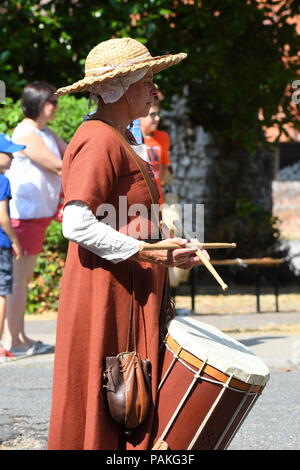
(118, 58)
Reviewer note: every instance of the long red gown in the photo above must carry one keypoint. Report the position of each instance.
(95, 301)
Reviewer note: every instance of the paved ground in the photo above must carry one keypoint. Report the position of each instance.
(272, 424)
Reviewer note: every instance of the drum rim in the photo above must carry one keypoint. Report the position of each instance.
(209, 369)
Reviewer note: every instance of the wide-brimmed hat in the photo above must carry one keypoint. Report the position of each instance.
(8, 146)
(119, 58)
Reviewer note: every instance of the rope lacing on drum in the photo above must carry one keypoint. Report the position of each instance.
(184, 398)
(206, 379)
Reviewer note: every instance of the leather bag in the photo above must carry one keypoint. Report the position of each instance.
(128, 388)
(127, 380)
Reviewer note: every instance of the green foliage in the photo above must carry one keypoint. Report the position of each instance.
(43, 293)
(252, 228)
(234, 67)
(233, 71)
(50, 40)
(54, 239)
(256, 234)
(11, 114)
(69, 116)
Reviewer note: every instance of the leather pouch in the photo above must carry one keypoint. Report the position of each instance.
(127, 379)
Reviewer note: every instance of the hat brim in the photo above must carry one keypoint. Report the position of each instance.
(12, 148)
(156, 64)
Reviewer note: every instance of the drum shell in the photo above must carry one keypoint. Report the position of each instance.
(215, 408)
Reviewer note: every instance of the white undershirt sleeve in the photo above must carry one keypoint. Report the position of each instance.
(82, 227)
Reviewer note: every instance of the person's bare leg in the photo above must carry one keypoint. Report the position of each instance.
(16, 302)
(2, 313)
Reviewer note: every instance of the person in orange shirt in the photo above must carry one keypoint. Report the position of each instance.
(158, 147)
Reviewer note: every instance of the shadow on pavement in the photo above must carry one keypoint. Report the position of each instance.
(258, 340)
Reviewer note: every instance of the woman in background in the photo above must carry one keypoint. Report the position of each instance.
(36, 185)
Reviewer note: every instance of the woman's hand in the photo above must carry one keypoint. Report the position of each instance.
(17, 249)
(180, 257)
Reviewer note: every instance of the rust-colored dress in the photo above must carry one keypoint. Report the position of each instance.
(95, 301)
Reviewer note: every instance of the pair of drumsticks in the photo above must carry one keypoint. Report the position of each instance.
(201, 256)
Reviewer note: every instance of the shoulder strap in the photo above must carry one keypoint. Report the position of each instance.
(135, 157)
(139, 162)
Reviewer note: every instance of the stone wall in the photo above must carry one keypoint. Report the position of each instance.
(190, 149)
(203, 175)
(286, 206)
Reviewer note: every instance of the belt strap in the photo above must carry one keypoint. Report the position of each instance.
(138, 161)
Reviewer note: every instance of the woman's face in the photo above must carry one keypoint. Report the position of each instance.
(49, 108)
(140, 96)
(150, 123)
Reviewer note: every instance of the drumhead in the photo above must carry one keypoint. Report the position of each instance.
(220, 350)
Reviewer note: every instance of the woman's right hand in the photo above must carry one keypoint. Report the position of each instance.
(17, 249)
(180, 257)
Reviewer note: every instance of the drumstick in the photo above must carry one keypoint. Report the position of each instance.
(174, 246)
(211, 269)
(201, 256)
(205, 261)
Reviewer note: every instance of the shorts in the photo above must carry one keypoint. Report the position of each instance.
(6, 271)
(31, 233)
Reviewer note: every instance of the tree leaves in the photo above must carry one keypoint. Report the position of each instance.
(234, 67)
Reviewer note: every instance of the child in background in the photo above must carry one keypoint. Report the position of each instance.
(158, 147)
(8, 238)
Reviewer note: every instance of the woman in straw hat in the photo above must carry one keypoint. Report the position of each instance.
(99, 173)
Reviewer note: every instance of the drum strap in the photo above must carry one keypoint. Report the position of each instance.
(166, 304)
(167, 308)
(132, 315)
(138, 161)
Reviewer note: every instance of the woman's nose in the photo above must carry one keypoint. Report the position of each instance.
(154, 90)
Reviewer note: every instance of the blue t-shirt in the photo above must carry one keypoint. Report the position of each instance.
(5, 193)
(136, 131)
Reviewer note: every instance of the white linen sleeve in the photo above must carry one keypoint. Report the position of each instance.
(81, 226)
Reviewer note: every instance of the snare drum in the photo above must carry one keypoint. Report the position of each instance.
(208, 385)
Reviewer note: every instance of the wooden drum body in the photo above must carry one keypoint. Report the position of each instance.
(209, 383)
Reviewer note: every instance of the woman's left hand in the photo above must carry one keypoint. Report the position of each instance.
(193, 260)
(181, 257)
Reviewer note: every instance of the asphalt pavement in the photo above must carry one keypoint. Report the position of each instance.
(272, 424)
